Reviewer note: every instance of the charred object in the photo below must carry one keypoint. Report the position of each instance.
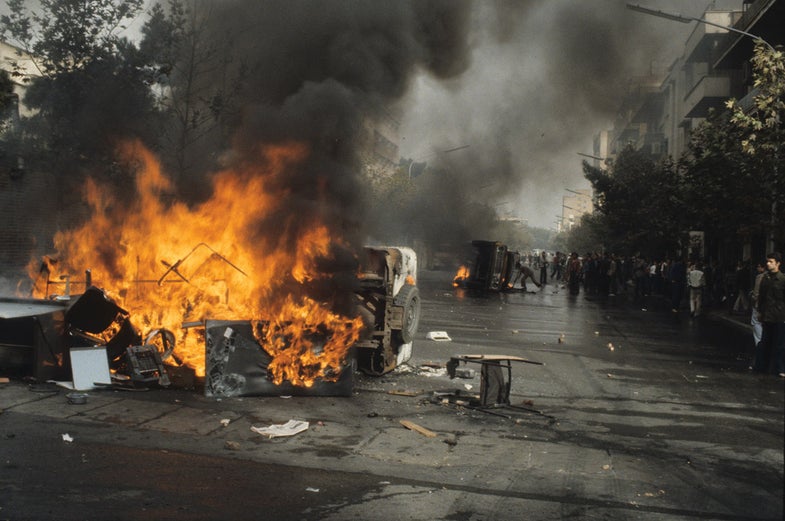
(492, 267)
(389, 302)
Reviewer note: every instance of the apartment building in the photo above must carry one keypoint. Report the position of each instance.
(660, 111)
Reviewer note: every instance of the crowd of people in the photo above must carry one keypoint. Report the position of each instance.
(757, 292)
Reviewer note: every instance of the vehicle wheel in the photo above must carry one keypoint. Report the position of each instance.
(409, 299)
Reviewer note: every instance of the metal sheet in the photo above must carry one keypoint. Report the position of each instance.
(236, 365)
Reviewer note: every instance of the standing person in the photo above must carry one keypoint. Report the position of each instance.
(556, 266)
(742, 288)
(574, 273)
(696, 281)
(543, 267)
(757, 327)
(678, 279)
(771, 309)
(613, 275)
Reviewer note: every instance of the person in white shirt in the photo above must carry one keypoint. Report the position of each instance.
(696, 280)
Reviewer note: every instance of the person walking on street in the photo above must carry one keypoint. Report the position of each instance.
(757, 327)
(678, 279)
(696, 281)
(771, 309)
(543, 267)
(574, 273)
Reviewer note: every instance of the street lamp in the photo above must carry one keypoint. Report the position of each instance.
(687, 19)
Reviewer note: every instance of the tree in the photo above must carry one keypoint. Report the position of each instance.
(640, 204)
(187, 57)
(763, 131)
(92, 89)
(724, 194)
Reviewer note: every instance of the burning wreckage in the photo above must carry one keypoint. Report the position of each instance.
(40, 337)
(492, 267)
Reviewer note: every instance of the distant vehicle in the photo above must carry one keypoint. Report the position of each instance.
(492, 268)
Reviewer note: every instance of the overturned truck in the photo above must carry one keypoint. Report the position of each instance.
(492, 267)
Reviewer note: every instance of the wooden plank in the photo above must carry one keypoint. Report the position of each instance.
(417, 428)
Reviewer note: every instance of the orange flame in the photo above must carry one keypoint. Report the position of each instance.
(460, 276)
(168, 264)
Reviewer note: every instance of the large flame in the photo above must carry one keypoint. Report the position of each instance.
(169, 264)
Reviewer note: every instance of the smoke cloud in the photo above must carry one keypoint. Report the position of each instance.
(545, 77)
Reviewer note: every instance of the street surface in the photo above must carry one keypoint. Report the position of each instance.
(668, 424)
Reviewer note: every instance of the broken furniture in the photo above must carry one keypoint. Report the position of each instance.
(31, 339)
(494, 388)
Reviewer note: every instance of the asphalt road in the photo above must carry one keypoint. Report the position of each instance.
(668, 424)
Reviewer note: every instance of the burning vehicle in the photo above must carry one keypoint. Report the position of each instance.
(389, 303)
(492, 267)
(174, 297)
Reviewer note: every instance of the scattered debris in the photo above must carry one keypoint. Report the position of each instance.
(4, 380)
(429, 371)
(610, 346)
(597, 333)
(225, 422)
(311, 489)
(417, 428)
(67, 437)
(438, 336)
(606, 467)
(231, 445)
(289, 428)
(465, 372)
(404, 393)
(76, 398)
(561, 338)
(373, 414)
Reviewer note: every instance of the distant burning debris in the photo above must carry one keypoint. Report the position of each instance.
(461, 276)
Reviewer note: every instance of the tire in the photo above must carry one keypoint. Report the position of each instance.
(409, 299)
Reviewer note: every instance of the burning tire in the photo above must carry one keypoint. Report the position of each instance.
(409, 299)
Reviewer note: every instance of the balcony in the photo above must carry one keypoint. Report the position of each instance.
(709, 92)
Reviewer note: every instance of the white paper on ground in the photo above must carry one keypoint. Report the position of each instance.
(289, 428)
(439, 336)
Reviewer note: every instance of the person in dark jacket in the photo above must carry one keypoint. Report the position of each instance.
(678, 279)
(771, 313)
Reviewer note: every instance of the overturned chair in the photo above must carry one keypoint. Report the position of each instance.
(494, 388)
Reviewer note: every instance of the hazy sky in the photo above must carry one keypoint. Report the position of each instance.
(544, 78)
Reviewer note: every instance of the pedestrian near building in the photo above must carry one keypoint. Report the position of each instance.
(678, 279)
(771, 310)
(742, 285)
(696, 280)
(757, 327)
(574, 274)
(543, 267)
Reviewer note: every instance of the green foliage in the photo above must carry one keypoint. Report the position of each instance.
(65, 35)
(640, 203)
(724, 191)
(92, 88)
